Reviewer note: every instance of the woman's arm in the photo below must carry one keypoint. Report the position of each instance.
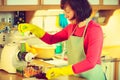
(59, 36)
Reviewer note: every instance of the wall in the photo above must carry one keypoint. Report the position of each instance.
(46, 19)
(112, 30)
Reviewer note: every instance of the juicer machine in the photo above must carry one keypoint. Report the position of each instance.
(12, 58)
(9, 58)
(14, 54)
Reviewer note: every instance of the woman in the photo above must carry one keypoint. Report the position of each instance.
(84, 39)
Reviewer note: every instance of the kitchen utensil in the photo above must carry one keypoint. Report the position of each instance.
(45, 52)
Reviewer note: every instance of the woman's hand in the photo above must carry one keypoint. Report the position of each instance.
(56, 72)
(37, 31)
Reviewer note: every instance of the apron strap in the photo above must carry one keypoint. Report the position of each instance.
(74, 29)
(88, 20)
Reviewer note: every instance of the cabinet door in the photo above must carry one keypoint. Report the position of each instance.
(21, 2)
(94, 2)
(110, 2)
(49, 2)
(19, 5)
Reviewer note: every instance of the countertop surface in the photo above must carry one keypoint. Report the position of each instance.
(112, 51)
(8, 76)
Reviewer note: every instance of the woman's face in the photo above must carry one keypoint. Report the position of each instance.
(69, 13)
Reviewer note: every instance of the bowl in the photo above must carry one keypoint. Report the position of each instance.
(44, 52)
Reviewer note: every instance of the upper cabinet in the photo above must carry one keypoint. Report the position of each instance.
(19, 5)
(104, 2)
(48, 2)
(94, 2)
(110, 2)
(13, 5)
(21, 2)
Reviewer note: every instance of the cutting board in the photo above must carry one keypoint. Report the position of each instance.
(45, 65)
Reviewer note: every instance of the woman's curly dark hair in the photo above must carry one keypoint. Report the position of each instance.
(82, 8)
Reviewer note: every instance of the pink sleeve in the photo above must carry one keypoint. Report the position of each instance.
(59, 36)
(93, 46)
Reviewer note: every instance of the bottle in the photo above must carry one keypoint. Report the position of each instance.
(58, 49)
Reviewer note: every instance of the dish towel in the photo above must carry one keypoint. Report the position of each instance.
(63, 20)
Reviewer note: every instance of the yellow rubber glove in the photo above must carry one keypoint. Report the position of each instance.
(37, 31)
(56, 72)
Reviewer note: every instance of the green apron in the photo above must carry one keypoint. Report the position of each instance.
(75, 53)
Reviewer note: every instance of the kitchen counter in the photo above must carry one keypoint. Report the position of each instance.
(10, 76)
(113, 55)
(112, 51)
(7, 76)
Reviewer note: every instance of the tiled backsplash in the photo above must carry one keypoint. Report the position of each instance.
(47, 19)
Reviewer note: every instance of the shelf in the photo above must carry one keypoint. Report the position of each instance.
(19, 8)
(108, 7)
(107, 14)
(46, 7)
